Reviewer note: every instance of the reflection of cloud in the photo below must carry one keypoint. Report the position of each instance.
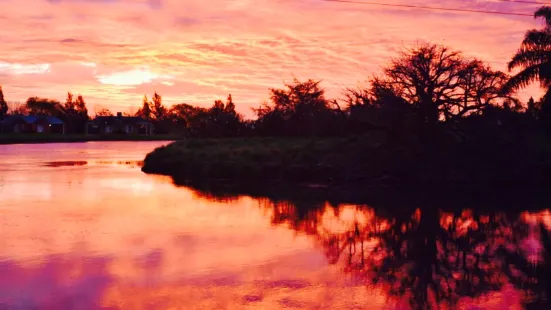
(58, 282)
(284, 280)
(139, 187)
(110, 236)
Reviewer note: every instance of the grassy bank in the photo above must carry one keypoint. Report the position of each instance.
(56, 138)
(265, 160)
(487, 167)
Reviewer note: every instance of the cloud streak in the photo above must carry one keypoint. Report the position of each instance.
(242, 47)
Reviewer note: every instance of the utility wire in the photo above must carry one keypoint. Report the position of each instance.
(523, 2)
(411, 6)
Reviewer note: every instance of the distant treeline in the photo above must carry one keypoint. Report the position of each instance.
(426, 87)
(426, 91)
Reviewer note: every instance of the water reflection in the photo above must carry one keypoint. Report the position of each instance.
(65, 163)
(426, 258)
(434, 259)
(131, 163)
(105, 236)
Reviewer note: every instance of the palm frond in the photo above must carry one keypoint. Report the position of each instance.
(533, 57)
(545, 13)
(528, 57)
(522, 79)
(537, 39)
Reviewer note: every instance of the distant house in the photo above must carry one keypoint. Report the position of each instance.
(32, 124)
(119, 125)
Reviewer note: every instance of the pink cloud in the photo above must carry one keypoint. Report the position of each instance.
(239, 47)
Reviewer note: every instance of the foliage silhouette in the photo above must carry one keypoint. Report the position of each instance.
(300, 109)
(43, 106)
(145, 111)
(104, 112)
(533, 58)
(441, 84)
(3, 105)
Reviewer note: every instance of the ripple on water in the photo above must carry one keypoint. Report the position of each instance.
(65, 163)
(72, 163)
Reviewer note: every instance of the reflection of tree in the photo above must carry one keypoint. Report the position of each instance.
(431, 258)
(427, 256)
(532, 274)
(300, 216)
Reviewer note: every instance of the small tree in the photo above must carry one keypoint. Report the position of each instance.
(298, 109)
(145, 111)
(3, 104)
(188, 118)
(70, 104)
(104, 112)
(230, 106)
(16, 108)
(532, 108)
(80, 107)
(44, 106)
(158, 111)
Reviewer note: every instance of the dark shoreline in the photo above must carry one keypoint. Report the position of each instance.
(6, 139)
(352, 170)
(383, 197)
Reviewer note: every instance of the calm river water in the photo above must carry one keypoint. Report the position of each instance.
(81, 227)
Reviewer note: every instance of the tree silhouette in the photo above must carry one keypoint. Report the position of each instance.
(441, 84)
(534, 56)
(379, 109)
(75, 113)
(533, 59)
(185, 115)
(298, 109)
(532, 108)
(3, 104)
(230, 106)
(220, 120)
(19, 109)
(80, 107)
(145, 111)
(70, 104)
(104, 112)
(43, 106)
(158, 110)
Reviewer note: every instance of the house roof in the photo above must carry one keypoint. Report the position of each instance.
(53, 120)
(11, 119)
(120, 119)
(31, 119)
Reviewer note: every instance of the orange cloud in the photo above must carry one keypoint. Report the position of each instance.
(241, 47)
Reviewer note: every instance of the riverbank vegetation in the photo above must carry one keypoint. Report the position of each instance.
(435, 119)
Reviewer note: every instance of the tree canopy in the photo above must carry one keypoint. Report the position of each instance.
(441, 84)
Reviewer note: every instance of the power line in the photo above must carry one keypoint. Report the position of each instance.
(411, 6)
(524, 2)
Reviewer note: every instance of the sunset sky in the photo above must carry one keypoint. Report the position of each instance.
(115, 51)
